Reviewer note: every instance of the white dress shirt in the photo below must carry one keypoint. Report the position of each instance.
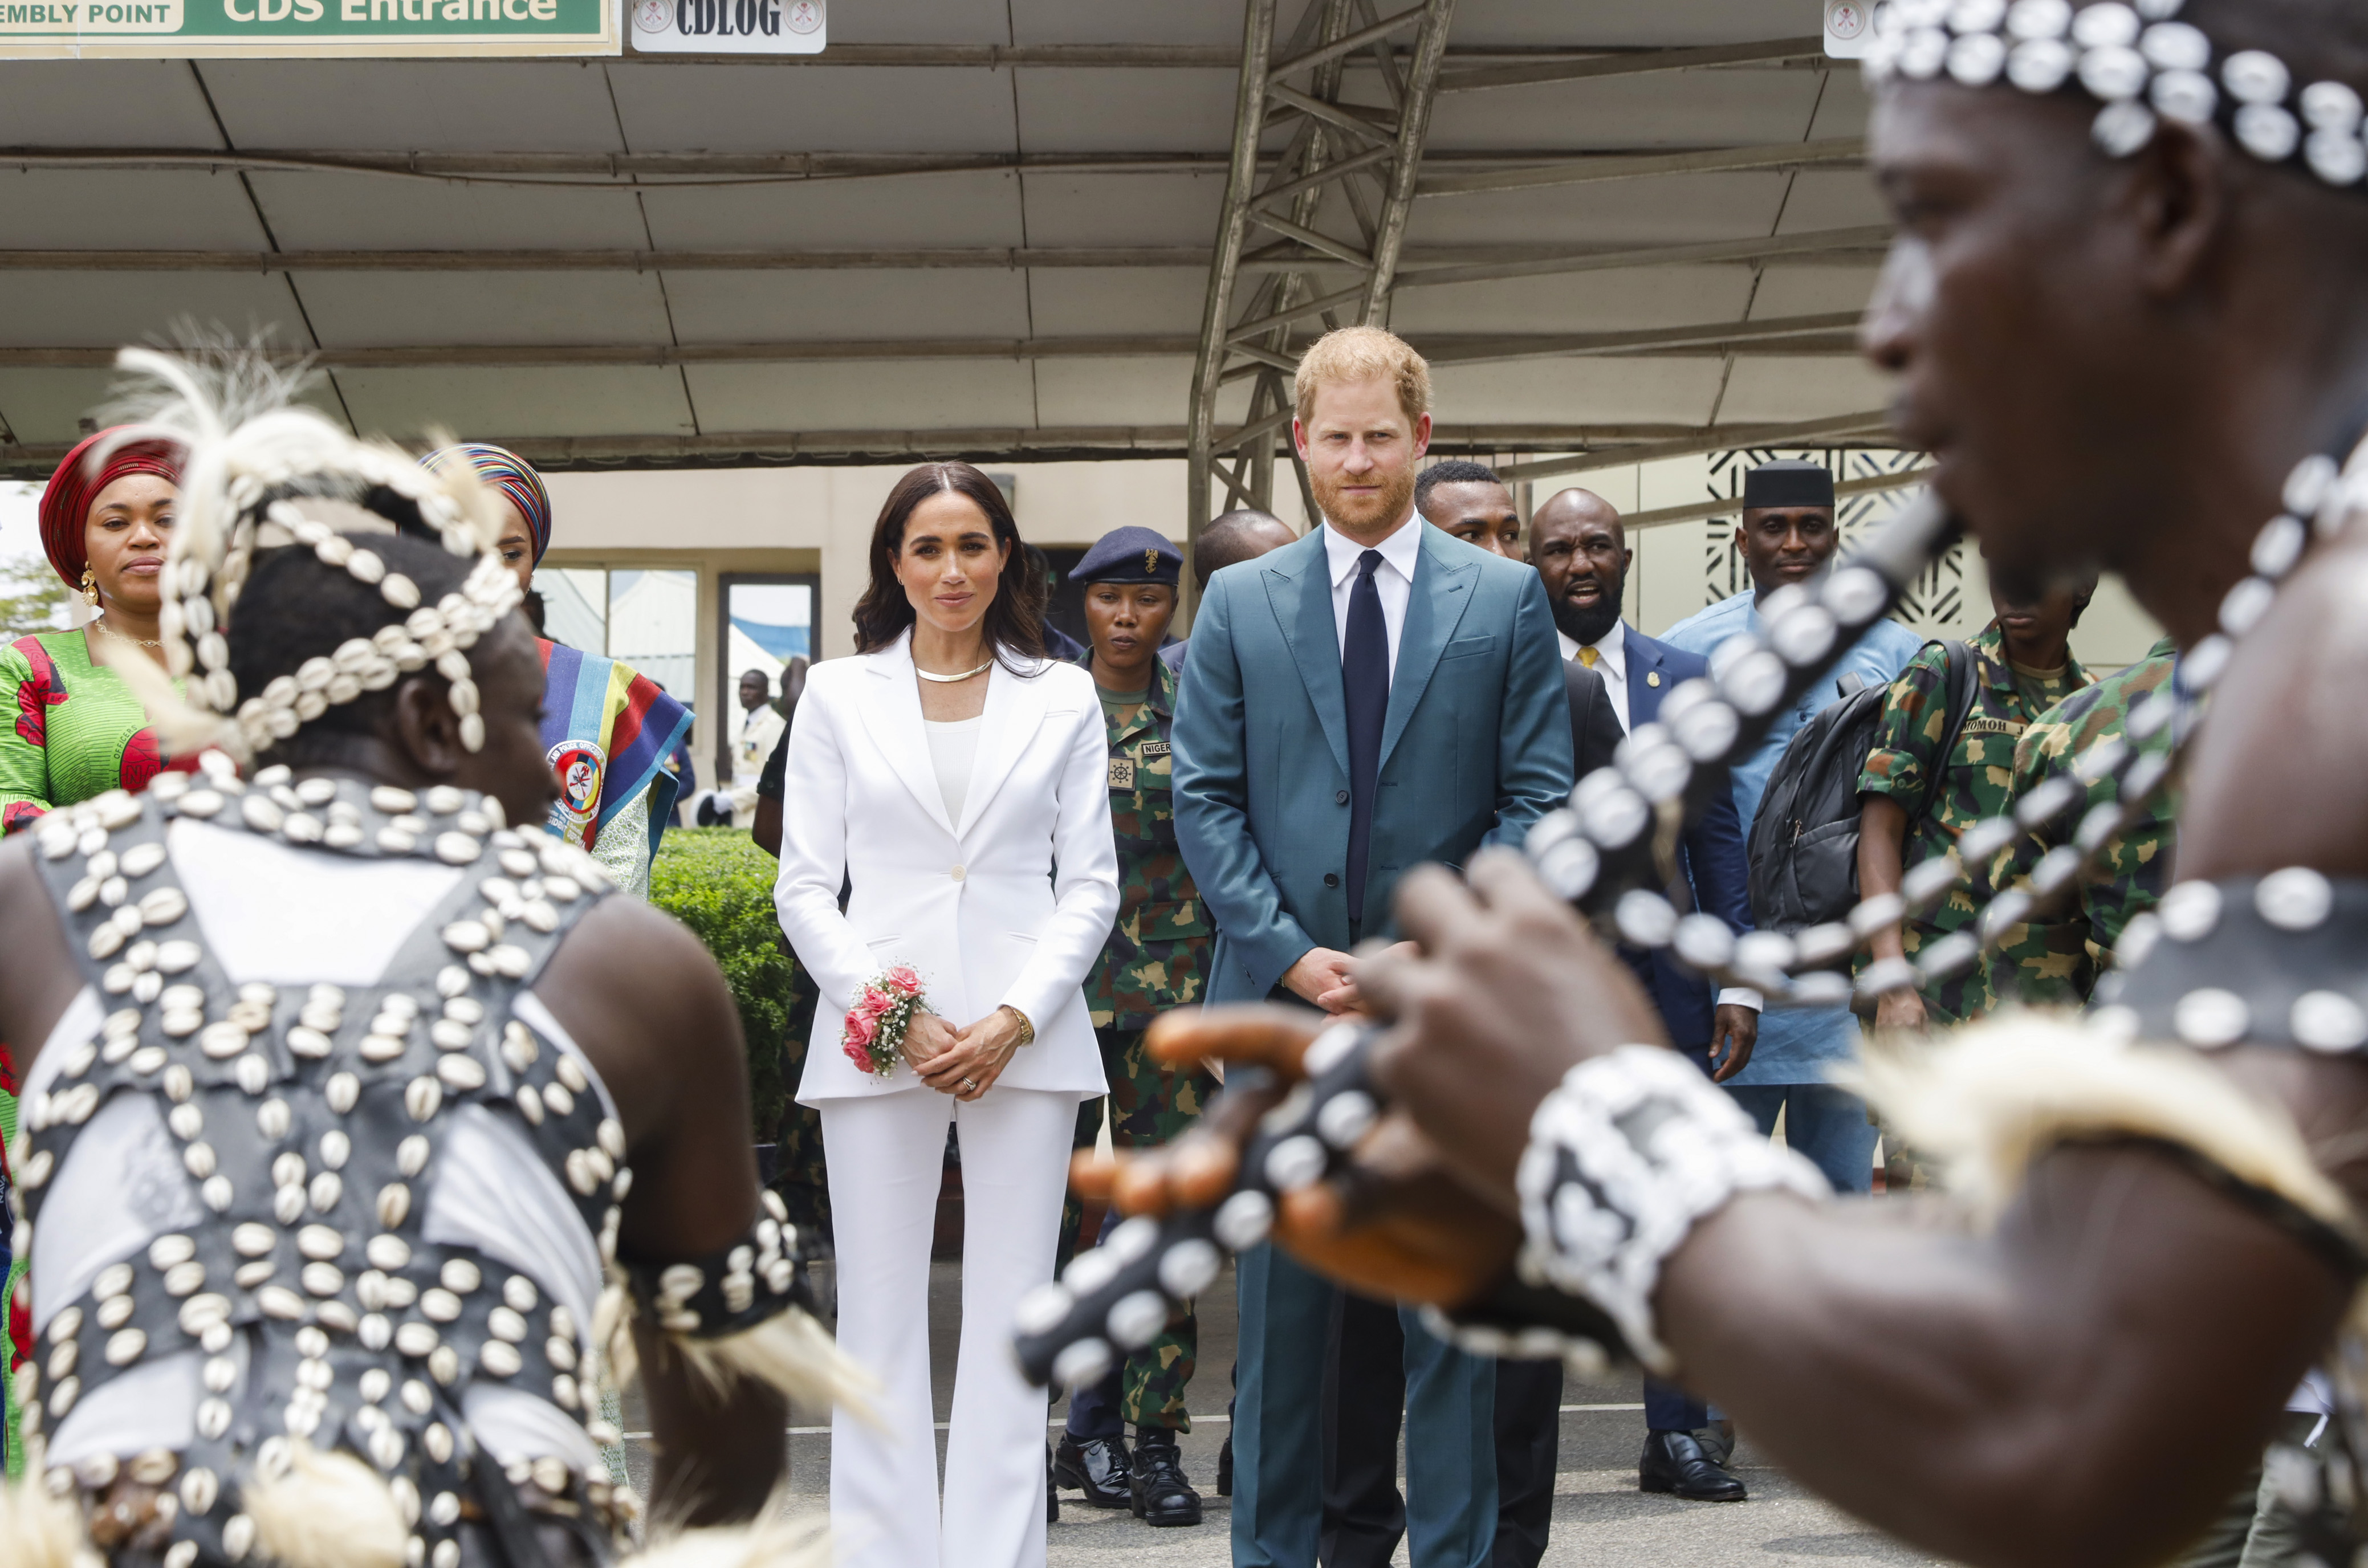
(1393, 580)
(1611, 664)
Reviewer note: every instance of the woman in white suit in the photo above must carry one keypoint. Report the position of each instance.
(958, 780)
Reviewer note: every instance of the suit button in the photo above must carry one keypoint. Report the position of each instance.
(956, 873)
(1340, 797)
(1331, 878)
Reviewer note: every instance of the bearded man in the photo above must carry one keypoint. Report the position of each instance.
(2126, 311)
(1372, 696)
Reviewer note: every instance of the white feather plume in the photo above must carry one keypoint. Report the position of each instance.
(232, 415)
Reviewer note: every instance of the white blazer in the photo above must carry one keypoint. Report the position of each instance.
(1011, 904)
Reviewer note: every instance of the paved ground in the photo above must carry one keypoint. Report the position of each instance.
(1601, 1519)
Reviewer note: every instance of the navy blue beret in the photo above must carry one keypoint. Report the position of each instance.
(1131, 556)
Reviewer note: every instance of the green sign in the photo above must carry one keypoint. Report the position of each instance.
(263, 28)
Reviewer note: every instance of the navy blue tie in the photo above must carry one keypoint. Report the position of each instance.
(1365, 677)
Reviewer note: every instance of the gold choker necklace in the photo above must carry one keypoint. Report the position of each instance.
(947, 680)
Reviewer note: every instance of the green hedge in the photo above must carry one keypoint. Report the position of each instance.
(721, 885)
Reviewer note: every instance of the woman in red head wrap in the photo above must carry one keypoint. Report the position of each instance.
(77, 730)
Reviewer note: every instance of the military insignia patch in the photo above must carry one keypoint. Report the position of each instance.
(1121, 773)
(1155, 748)
(1151, 560)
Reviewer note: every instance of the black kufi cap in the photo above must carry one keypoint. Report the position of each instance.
(1789, 481)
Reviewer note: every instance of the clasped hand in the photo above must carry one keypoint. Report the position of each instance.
(1500, 990)
(963, 1063)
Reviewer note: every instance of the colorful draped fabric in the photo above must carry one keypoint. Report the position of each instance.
(606, 731)
(71, 729)
(511, 474)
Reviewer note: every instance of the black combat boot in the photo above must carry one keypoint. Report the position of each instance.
(1098, 1466)
(1161, 1496)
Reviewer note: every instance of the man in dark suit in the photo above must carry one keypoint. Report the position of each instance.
(1582, 555)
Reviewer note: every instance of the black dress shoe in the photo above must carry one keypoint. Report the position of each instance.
(1674, 1462)
(1098, 1466)
(1161, 1494)
(1225, 1466)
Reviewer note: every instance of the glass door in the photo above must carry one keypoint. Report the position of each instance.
(767, 632)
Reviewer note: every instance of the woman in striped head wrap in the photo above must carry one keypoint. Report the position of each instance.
(606, 729)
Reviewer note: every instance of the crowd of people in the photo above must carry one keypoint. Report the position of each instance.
(368, 1141)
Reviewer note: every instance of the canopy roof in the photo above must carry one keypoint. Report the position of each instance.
(979, 226)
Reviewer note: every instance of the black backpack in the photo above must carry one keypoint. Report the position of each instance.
(1804, 843)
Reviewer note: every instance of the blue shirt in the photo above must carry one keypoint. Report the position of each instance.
(1796, 1045)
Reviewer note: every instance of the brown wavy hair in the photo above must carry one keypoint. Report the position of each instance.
(1014, 627)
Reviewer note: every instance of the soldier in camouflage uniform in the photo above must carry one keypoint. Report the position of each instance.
(2058, 961)
(2022, 667)
(1157, 958)
(1915, 803)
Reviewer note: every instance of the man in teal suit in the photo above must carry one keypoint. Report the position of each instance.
(1373, 695)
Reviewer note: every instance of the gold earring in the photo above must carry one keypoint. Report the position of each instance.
(89, 587)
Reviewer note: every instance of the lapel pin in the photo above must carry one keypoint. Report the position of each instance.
(1652, 677)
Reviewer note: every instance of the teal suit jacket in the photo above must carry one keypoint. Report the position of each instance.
(1475, 745)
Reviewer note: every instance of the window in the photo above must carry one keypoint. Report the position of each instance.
(647, 620)
(767, 622)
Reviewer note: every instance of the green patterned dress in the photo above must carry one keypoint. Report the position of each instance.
(77, 732)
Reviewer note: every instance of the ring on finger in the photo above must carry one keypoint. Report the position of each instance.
(971, 1083)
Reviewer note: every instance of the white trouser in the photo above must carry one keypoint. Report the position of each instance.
(886, 1152)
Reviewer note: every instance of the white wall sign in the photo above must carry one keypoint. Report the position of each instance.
(1849, 25)
(728, 27)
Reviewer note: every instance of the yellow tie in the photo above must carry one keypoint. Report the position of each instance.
(1588, 656)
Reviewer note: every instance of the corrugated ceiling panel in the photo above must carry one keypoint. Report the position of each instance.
(1832, 198)
(1126, 111)
(1812, 290)
(86, 309)
(44, 406)
(871, 395)
(1688, 108)
(1099, 21)
(402, 308)
(1067, 301)
(767, 108)
(1802, 389)
(1607, 24)
(1590, 301)
(126, 209)
(909, 210)
(1573, 391)
(1675, 209)
(312, 211)
(616, 401)
(103, 103)
(423, 105)
(1122, 392)
(736, 307)
(1124, 209)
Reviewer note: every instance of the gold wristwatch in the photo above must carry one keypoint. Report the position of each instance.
(1027, 1029)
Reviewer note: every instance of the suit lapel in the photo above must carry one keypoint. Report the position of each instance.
(1015, 709)
(1298, 589)
(1644, 697)
(892, 719)
(1443, 592)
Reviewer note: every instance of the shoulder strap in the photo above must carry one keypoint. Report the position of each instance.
(1961, 708)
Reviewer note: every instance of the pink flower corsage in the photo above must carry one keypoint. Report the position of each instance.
(883, 1010)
